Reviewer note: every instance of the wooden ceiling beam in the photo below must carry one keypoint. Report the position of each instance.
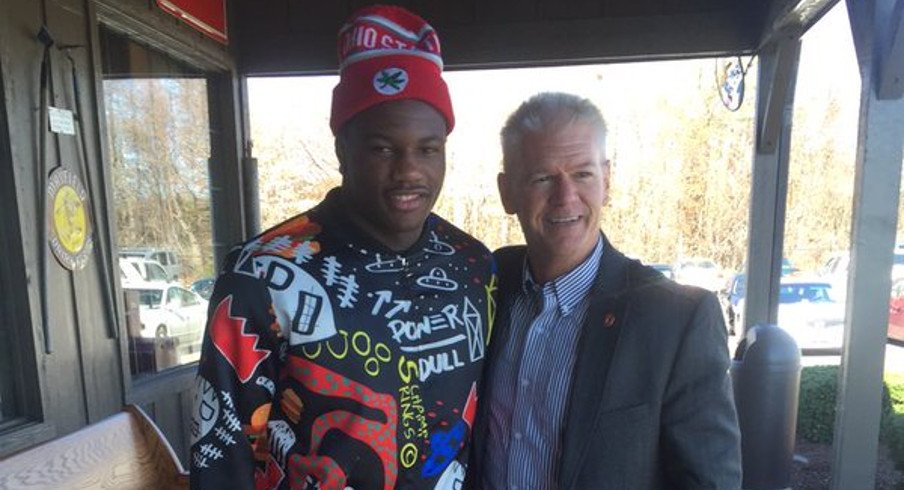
(267, 49)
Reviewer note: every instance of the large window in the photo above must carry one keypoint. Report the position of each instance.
(159, 136)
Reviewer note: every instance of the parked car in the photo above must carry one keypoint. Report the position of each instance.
(699, 272)
(665, 269)
(204, 287)
(787, 268)
(835, 269)
(128, 274)
(148, 270)
(732, 302)
(171, 311)
(896, 312)
(167, 259)
(733, 296)
(811, 313)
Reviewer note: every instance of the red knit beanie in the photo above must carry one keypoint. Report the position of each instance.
(388, 53)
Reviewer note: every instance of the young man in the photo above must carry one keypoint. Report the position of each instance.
(602, 374)
(344, 346)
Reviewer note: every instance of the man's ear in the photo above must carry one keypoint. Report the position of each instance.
(503, 182)
(607, 177)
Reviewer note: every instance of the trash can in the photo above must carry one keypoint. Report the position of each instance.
(765, 374)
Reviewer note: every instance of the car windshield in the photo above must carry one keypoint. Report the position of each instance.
(150, 297)
(813, 293)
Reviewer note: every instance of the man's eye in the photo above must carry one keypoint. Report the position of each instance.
(584, 175)
(541, 179)
(381, 150)
(430, 150)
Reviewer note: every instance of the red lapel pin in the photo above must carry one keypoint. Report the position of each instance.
(609, 320)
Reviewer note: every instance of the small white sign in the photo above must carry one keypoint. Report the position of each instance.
(61, 120)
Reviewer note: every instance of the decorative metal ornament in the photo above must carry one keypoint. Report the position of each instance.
(71, 237)
(730, 82)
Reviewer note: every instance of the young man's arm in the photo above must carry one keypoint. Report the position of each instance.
(235, 385)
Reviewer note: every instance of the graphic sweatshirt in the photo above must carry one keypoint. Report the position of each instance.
(331, 362)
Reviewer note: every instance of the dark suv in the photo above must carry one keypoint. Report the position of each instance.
(733, 296)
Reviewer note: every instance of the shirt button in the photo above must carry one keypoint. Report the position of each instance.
(517, 436)
(525, 382)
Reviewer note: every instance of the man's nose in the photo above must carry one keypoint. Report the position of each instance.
(405, 165)
(565, 190)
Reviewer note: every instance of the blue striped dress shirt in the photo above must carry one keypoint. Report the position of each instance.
(530, 379)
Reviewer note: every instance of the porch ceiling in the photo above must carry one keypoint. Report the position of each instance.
(298, 36)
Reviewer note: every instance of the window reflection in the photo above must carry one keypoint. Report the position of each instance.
(158, 133)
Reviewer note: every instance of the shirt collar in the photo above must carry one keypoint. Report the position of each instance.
(570, 288)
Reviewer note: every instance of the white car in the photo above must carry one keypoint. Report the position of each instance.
(835, 270)
(167, 260)
(811, 313)
(171, 311)
(699, 272)
(141, 271)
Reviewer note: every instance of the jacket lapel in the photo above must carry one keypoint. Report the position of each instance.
(593, 358)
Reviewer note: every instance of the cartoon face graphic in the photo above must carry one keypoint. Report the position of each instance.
(301, 304)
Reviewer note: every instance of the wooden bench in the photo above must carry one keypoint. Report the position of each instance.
(124, 451)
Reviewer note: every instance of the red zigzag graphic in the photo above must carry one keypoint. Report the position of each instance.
(239, 348)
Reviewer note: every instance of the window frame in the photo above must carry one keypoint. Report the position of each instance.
(228, 118)
(25, 426)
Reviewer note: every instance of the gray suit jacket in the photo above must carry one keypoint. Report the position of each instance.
(651, 403)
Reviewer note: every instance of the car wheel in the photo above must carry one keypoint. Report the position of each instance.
(161, 332)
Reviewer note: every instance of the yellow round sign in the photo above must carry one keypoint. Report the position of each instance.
(68, 220)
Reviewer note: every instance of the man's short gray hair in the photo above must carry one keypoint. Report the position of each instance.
(549, 111)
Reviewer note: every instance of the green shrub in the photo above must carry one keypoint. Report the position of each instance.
(816, 406)
(816, 409)
(892, 434)
(892, 431)
(894, 384)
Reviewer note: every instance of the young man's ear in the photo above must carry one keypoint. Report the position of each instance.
(504, 184)
(339, 146)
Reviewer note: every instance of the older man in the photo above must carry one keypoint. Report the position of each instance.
(344, 345)
(602, 374)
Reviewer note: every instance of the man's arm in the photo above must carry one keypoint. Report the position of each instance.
(235, 384)
(701, 445)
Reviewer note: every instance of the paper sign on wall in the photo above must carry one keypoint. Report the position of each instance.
(61, 120)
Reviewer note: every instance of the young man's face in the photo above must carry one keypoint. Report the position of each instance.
(557, 185)
(393, 160)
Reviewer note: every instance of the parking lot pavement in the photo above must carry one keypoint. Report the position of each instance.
(894, 357)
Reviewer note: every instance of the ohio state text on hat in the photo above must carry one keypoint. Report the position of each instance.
(388, 53)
